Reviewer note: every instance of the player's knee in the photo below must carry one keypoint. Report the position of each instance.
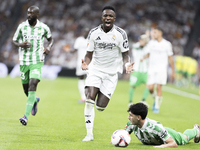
(100, 108)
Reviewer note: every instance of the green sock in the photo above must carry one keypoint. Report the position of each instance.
(145, 93)
(131, 92)
(190, 133)
(29, 104)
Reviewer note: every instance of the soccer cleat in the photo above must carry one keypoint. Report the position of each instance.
(34, 109)
(23, 120)
(197, 137)
(88, 137)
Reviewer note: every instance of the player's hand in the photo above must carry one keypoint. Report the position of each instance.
(25, 44)
(84, 66)
(46, 51)
(129, 68)
(141, 60)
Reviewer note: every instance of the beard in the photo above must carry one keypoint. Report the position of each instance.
(32, 20)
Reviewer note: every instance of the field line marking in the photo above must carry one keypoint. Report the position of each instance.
(181, 93)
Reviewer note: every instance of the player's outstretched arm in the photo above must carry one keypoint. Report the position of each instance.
(145, 56)
(126, 60)
(50, 44)
(169, 143)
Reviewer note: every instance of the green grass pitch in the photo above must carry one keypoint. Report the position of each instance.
(59, 123)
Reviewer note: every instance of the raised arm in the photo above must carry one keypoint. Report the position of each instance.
(126, 60)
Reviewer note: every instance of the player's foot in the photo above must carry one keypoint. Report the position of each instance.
(81, 101)
(88, 137)
(197, 137)
(156, 111)
(23, 120)
(145, 103)
(129, 104)
(34, 109)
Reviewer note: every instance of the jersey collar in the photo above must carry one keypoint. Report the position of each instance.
(37, 24)
(109, 31)
(144, 125)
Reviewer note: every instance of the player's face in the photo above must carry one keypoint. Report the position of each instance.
(31, 15)
(142, 42)
(133, 118)
(157, 33)
(108, 18)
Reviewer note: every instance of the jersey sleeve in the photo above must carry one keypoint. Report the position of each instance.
(169, 50)
(18, 34)
(162, 133)
(129, 128)
(124, 46)
(47, 33)
(90, 41)
(76, 44)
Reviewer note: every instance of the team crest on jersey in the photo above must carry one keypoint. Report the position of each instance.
(113, 38)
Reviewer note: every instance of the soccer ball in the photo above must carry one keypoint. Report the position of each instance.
(120, 138)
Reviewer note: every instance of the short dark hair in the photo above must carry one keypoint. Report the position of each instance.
(139, 109)
(108, 7)
(159, 28)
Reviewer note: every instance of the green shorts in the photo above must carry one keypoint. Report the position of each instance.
(178, 137)
(137, 78)
(30, 71)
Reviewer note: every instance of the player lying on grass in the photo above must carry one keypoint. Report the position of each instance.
(151, 132)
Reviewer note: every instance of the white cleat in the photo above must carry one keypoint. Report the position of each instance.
(88, 137)
(197, 137)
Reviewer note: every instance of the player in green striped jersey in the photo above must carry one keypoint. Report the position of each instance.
(151, 132)
(29, 37)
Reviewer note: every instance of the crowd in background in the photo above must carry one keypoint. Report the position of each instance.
(67, 18)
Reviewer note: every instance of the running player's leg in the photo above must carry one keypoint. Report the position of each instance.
(158, 98)
(25, 87)
(91, 93)
(102, 101)
(31, 96)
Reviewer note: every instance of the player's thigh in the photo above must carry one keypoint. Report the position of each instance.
(102, 100)
(91, 92)
(36, 71)
(24, 74)
(108, 85)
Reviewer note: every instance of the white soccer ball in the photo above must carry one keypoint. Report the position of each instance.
(120, 138)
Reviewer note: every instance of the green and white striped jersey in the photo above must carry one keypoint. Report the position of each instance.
(35, 35)
(151, 133)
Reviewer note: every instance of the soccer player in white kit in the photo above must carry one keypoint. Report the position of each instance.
(159, 52)
(107, 45)
(80, 46)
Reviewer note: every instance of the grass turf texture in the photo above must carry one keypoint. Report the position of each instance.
(59, 123)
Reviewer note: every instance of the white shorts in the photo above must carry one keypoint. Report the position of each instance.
(157, 78)
(105, 82)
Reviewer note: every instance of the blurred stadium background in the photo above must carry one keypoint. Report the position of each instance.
(179, 19)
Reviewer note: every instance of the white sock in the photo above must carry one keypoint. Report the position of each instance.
(160, 101)
(81, 88)
(154, 94)
(89, 115)
(157, 106)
